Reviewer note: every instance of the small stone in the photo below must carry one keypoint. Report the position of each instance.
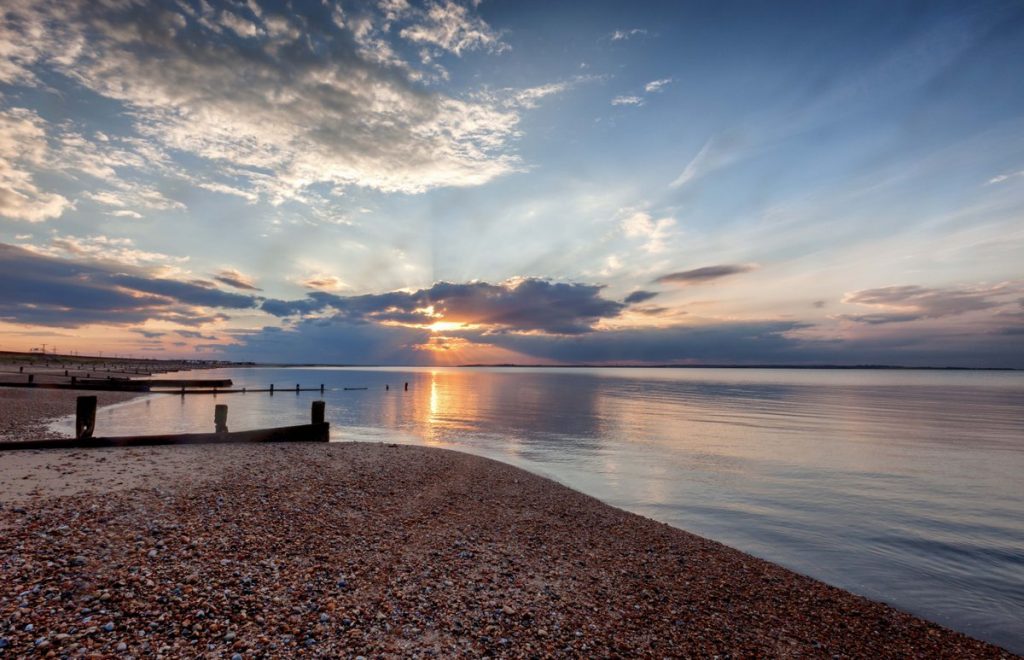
(29, 627)
(78, 561)
(236, 656)
(229, 636)
(508, 609)
(152, 553)
(122, 647)
(108, 626)
(4, 643)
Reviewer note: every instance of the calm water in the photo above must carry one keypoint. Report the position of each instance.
(906, 487)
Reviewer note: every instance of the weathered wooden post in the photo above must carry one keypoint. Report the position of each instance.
(220, 417)
(243, 390)
(318, 412)
(271, 389)
(85, 416)
(321, 389)
(31, 378)
(407, 386)
(387, 387)
(21, 370)
(65, 372)
(74, 381)
(296, 388)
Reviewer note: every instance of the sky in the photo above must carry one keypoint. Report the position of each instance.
(511, 181)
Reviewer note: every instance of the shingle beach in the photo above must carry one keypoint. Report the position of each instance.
(353, 549)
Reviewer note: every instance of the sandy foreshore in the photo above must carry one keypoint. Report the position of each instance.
(356, 549)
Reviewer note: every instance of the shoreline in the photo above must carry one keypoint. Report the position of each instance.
(437, 551)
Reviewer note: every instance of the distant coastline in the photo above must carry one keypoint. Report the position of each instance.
(863, 367)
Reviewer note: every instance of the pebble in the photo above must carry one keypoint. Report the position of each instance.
(351, 552)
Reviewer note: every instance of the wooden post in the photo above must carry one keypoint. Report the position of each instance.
(387, 387)
(74, 381)
(321, 389)
(296, 388)
(407, 386)
(31, 378)
(271, 389)
(243, 390)
(220, 417)
(85, 416)
(65, 372)
(318, 412)
(21, 370)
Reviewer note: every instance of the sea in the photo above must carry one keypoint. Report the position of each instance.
(905, 486)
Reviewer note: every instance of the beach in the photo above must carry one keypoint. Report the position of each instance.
(349, 549)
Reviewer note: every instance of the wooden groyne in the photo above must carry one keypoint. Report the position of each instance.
(318, 430)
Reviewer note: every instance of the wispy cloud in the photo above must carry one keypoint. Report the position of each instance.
(902, 304)
(448, 25)
(1005, 177)
(623, 35)
(657, 85)
(627, 100)
(236, 279)
(704, 274)
(716, 153)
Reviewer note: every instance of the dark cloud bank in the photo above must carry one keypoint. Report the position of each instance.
(537, 319)
(42, 290)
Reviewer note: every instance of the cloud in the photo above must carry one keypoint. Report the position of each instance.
(23, 148)
(521, 305)
(639, 297)
(912, 302)
(652, 87)
(656, 85)
(237, 279)
(104, 248)
(1005, 177)
(323, 282)
(623, 35)
(194, 334)
(284, 100)
(150, 334)
(70, 293)
(640, 224)
(451, 27)
(627, 100)
(705, 274)
(715, 154)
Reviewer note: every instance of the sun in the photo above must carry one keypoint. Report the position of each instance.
(445, 326)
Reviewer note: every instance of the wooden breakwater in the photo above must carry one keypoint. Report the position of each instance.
(318, 430)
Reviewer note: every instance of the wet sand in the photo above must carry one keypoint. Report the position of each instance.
(362, 549)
